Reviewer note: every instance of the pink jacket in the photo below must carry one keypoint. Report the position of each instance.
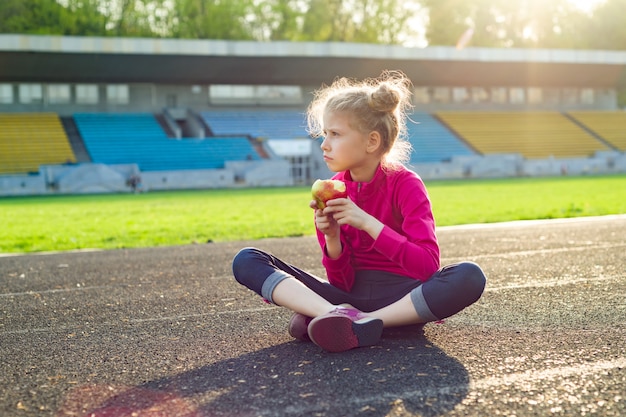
(407, 244)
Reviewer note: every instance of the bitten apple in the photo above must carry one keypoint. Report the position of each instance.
(324, 190)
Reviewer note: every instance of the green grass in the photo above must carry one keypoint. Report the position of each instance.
(54, 223)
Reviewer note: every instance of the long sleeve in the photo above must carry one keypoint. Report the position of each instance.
(414, 246)
(407, 244)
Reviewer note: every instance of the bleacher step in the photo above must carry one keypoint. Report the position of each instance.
(590, 131)
(76, 141)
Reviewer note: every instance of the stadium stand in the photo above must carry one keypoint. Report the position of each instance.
(531, 134)
(270, 124)
(432, 141)
(609, 125)
(126, 138)
(28, 140)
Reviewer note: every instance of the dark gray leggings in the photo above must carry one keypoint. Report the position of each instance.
(448, 291)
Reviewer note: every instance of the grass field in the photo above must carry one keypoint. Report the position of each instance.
(56, 223)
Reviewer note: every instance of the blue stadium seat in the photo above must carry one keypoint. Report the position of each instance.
(270, 124)
(432, 141)
(138, 138)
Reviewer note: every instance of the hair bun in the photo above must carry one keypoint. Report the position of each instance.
(384, 98)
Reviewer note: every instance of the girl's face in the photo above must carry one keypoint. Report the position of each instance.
(344, 147)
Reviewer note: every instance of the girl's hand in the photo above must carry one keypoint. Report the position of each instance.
(344, 211)
(325, 224)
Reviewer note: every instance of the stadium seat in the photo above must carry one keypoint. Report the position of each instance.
(268, 124)
(531, 134)
(432, 141)
(609, 125)
(28, 140)
(138, 138)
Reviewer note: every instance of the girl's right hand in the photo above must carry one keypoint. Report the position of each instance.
(325, 224)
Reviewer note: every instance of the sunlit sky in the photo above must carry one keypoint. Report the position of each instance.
(586, 5)
(420, 17)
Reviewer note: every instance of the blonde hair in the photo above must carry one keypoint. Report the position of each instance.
(376, 104)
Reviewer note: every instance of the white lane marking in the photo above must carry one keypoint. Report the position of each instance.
(53, 252)
(514, 223)
(60, 290)
(93, 287)
(531, 376)
(519, 378)
(551, 283)
(513, 254)
(523, 379)
(216, 313)
(181, 317)
(447, 261)
(540, 222)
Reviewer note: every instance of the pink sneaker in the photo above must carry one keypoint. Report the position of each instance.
(298, 327)
(344, 329)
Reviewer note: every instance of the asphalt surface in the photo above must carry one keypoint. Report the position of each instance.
(168, 332)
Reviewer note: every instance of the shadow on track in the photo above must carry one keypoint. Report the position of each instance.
(405, 374)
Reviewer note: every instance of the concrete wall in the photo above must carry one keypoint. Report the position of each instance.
(186, 180)
(91, 178)
(513, 165)
(272, 173)
(22, 185)
(99, 178)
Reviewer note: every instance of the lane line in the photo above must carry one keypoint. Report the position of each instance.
(519, 379)
(535, 284)
(446, 259)
(543, 284)
(53, 252)
(538, 222)
(61, 290)
(531, 376)
(118, 323)
(552, 283)
(514, 223)
(514, 254)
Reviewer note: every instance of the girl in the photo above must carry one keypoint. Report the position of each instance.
(378, 245)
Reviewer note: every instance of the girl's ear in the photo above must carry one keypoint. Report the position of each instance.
(374, 142)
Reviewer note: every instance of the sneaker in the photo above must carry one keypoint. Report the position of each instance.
(298, 327)
(345, 328)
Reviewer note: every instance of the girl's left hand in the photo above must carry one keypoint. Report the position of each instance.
(345, 211)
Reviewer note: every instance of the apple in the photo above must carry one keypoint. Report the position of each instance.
(324, 190)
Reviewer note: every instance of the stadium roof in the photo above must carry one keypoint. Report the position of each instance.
(32, 58)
